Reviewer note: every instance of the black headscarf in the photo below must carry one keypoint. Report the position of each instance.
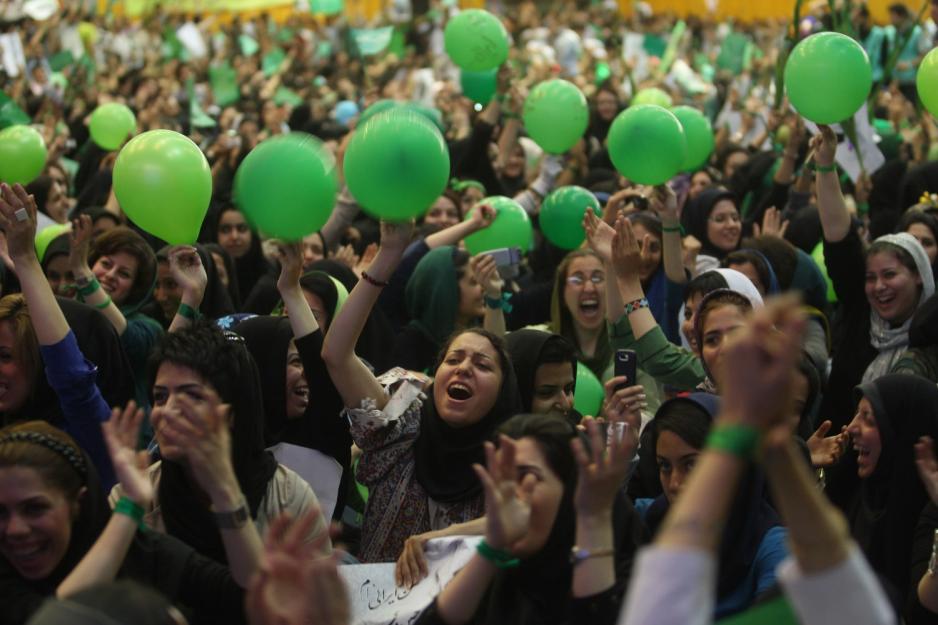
(233, 292)
(749, 519)
(892, 497)
(444, 455)
(696, 215)
(525, 348)
(250, 268)
(267, 339)
(184, 508)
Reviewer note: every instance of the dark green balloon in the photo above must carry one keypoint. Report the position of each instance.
(646, 144)
(396, 165)
(699, 136)
(511, 227)
(476, 40)
(479, 86)
(287, 186)
(561, 216)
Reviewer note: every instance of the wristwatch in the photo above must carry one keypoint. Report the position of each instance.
(578, 554)
(233, 519)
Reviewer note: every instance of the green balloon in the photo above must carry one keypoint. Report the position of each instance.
(818, 256)
(699, 136)
(383, 106)
(588, 397)
(479, 86)
(556, 115)
(22, 154)
(476, 40)
(561, 216)
(828, 77)
(286, 186)
(511, 227)
(396, 165)
(48, 234)
(164, 184)
(652, 95)
(927, 81)
(111, 124)
(646, 144)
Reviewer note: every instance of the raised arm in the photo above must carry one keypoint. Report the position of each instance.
(480, 216)
(664, 202)
(302, 320)
(835, 219)
(486, 274)
(352, 378)
(89, 289)
(185, 265)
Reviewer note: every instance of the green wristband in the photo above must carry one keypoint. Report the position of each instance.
(737, 440)
(673, 229)
(104, 304)
(130, 508)
(825, 169)
(187, 312)
(501, 559)
(89, 288)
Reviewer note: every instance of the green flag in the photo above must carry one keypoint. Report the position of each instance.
(654, 45)
(371, 41)
(326, 7)
(223, 80)
(272, 61)
(286, 96)
(732, 53)
(248, 45)
(61, 60)
(10, 113)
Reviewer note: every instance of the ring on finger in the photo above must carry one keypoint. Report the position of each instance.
(21, 215)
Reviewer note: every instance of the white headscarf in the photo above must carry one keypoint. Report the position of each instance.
(735, 281)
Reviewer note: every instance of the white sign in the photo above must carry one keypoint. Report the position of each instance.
(320, 471)
(377, 600)
(846, 155)
(191, 38)
(11, 54)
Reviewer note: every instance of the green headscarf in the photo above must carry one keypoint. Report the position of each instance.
(432, 294)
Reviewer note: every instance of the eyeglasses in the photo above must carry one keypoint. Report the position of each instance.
(725, 217)
(578, 279)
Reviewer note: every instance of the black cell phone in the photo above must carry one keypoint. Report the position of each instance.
(627, 365)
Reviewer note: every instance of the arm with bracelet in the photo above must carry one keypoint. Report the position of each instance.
(187, 270)
(496, 302)
(664, 203)
(835, 218)
(89, 289)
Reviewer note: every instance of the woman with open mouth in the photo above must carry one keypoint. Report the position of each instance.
(418, 449)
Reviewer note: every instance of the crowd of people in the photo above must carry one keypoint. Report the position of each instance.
(775, 444)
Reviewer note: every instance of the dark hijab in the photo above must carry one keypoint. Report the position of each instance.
(217, 302)
(233, 292)
(525, 348)
(696, 215)
(750, 517)
(250, 268)
(223, 360)
(444, 455)
(892, 497)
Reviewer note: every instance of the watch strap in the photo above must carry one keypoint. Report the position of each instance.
(232, 519)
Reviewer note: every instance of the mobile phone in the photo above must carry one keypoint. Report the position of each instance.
(626, 363)
(508, 261)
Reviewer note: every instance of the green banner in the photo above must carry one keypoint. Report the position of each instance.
(272, 60)
(248, 45)
(326, 7)
(733, 52)
(371, 41)
(224, 82)
(286, 96)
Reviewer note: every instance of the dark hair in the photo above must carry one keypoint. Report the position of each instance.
(715, 299)
(123, 239)
(705, 283)
(50, 452)
(915, 216)
(686, 419)
(40, 188)
(557, 350)
(902, 255)
(648, 221)
(741, 257)
(899, 9)
(781, 254)
(460, 262)
(552, 434)
(504, 360)
(123, 601)
(727, 151)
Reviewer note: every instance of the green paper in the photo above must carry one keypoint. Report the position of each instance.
(326, 7)
(10, 113)
(732, 52)
(61, 60)
(602, 73)
(323, 50)
(224, 83)
(398, 45)
(286, 96)
(248, 45)
(371, 41)
(197, 117)
(286, 35)
(776, 612)
(654, 45)
(272, 61)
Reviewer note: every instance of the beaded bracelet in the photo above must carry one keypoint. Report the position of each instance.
(128, 507)
(501, 559)
(737, 440)
(636, 305)
(373, 281)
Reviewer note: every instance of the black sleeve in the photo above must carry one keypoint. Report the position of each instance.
(915, 613)
(473, 160)
(629, 533)
(846, 269)
(264, 297)
(530, 306)
(599, 609)
(210, 593)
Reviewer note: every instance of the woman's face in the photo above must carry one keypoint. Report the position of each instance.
(35, 522)
(234, 235)
(733, 162)
(471, 301)
(467, 382)
(584, 292)
(297, 391)
(15, 382)
(470, 197)
(927, 238)
(116, 272)
(864, 433)
(60, 277)
(749, 270)
(57, 202)
(799, 396)
(724, 226)
(698, 183)
(676, 459)
(891, 288)
(167, 292)
(318, 308)
(721, 323)
(687, 325)
(442, 214)
(651, 259)
(514, 166)
(543, 492)
(607, 106)
(172, 382)
(553, 388)
(103, 224)
(220, 268)
(313, 249)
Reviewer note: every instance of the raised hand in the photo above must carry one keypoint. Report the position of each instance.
(367, 256)
(624, 405)
(347, 256)
(290, 256)
(79, 239)
(772, 224)
(599, 235)
(130, 466)
(507, 514)
(626, 252)
(185, 265)
(826, 450)
(824, 145)
(664, 202)
(482, 215)
(927, 466)
(396, 235)
(486, 274)
(601, 472)
(18, 220)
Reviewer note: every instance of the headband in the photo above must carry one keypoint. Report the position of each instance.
(65, 450)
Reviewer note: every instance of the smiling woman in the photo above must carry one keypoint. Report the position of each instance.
(578, 308)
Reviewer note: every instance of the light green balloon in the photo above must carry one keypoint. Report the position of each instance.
(561, 216)
(286, 186)
(510, 228)
(48, 234)
(396, 165)
(22, 154)
(652, 95)
(699, 136)
(927, 82)
(556, 115)
(588, 397)
(476, 40)
(828, 77)
(646, 144)
(818, 256)
(163, 183)
(111, 124)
